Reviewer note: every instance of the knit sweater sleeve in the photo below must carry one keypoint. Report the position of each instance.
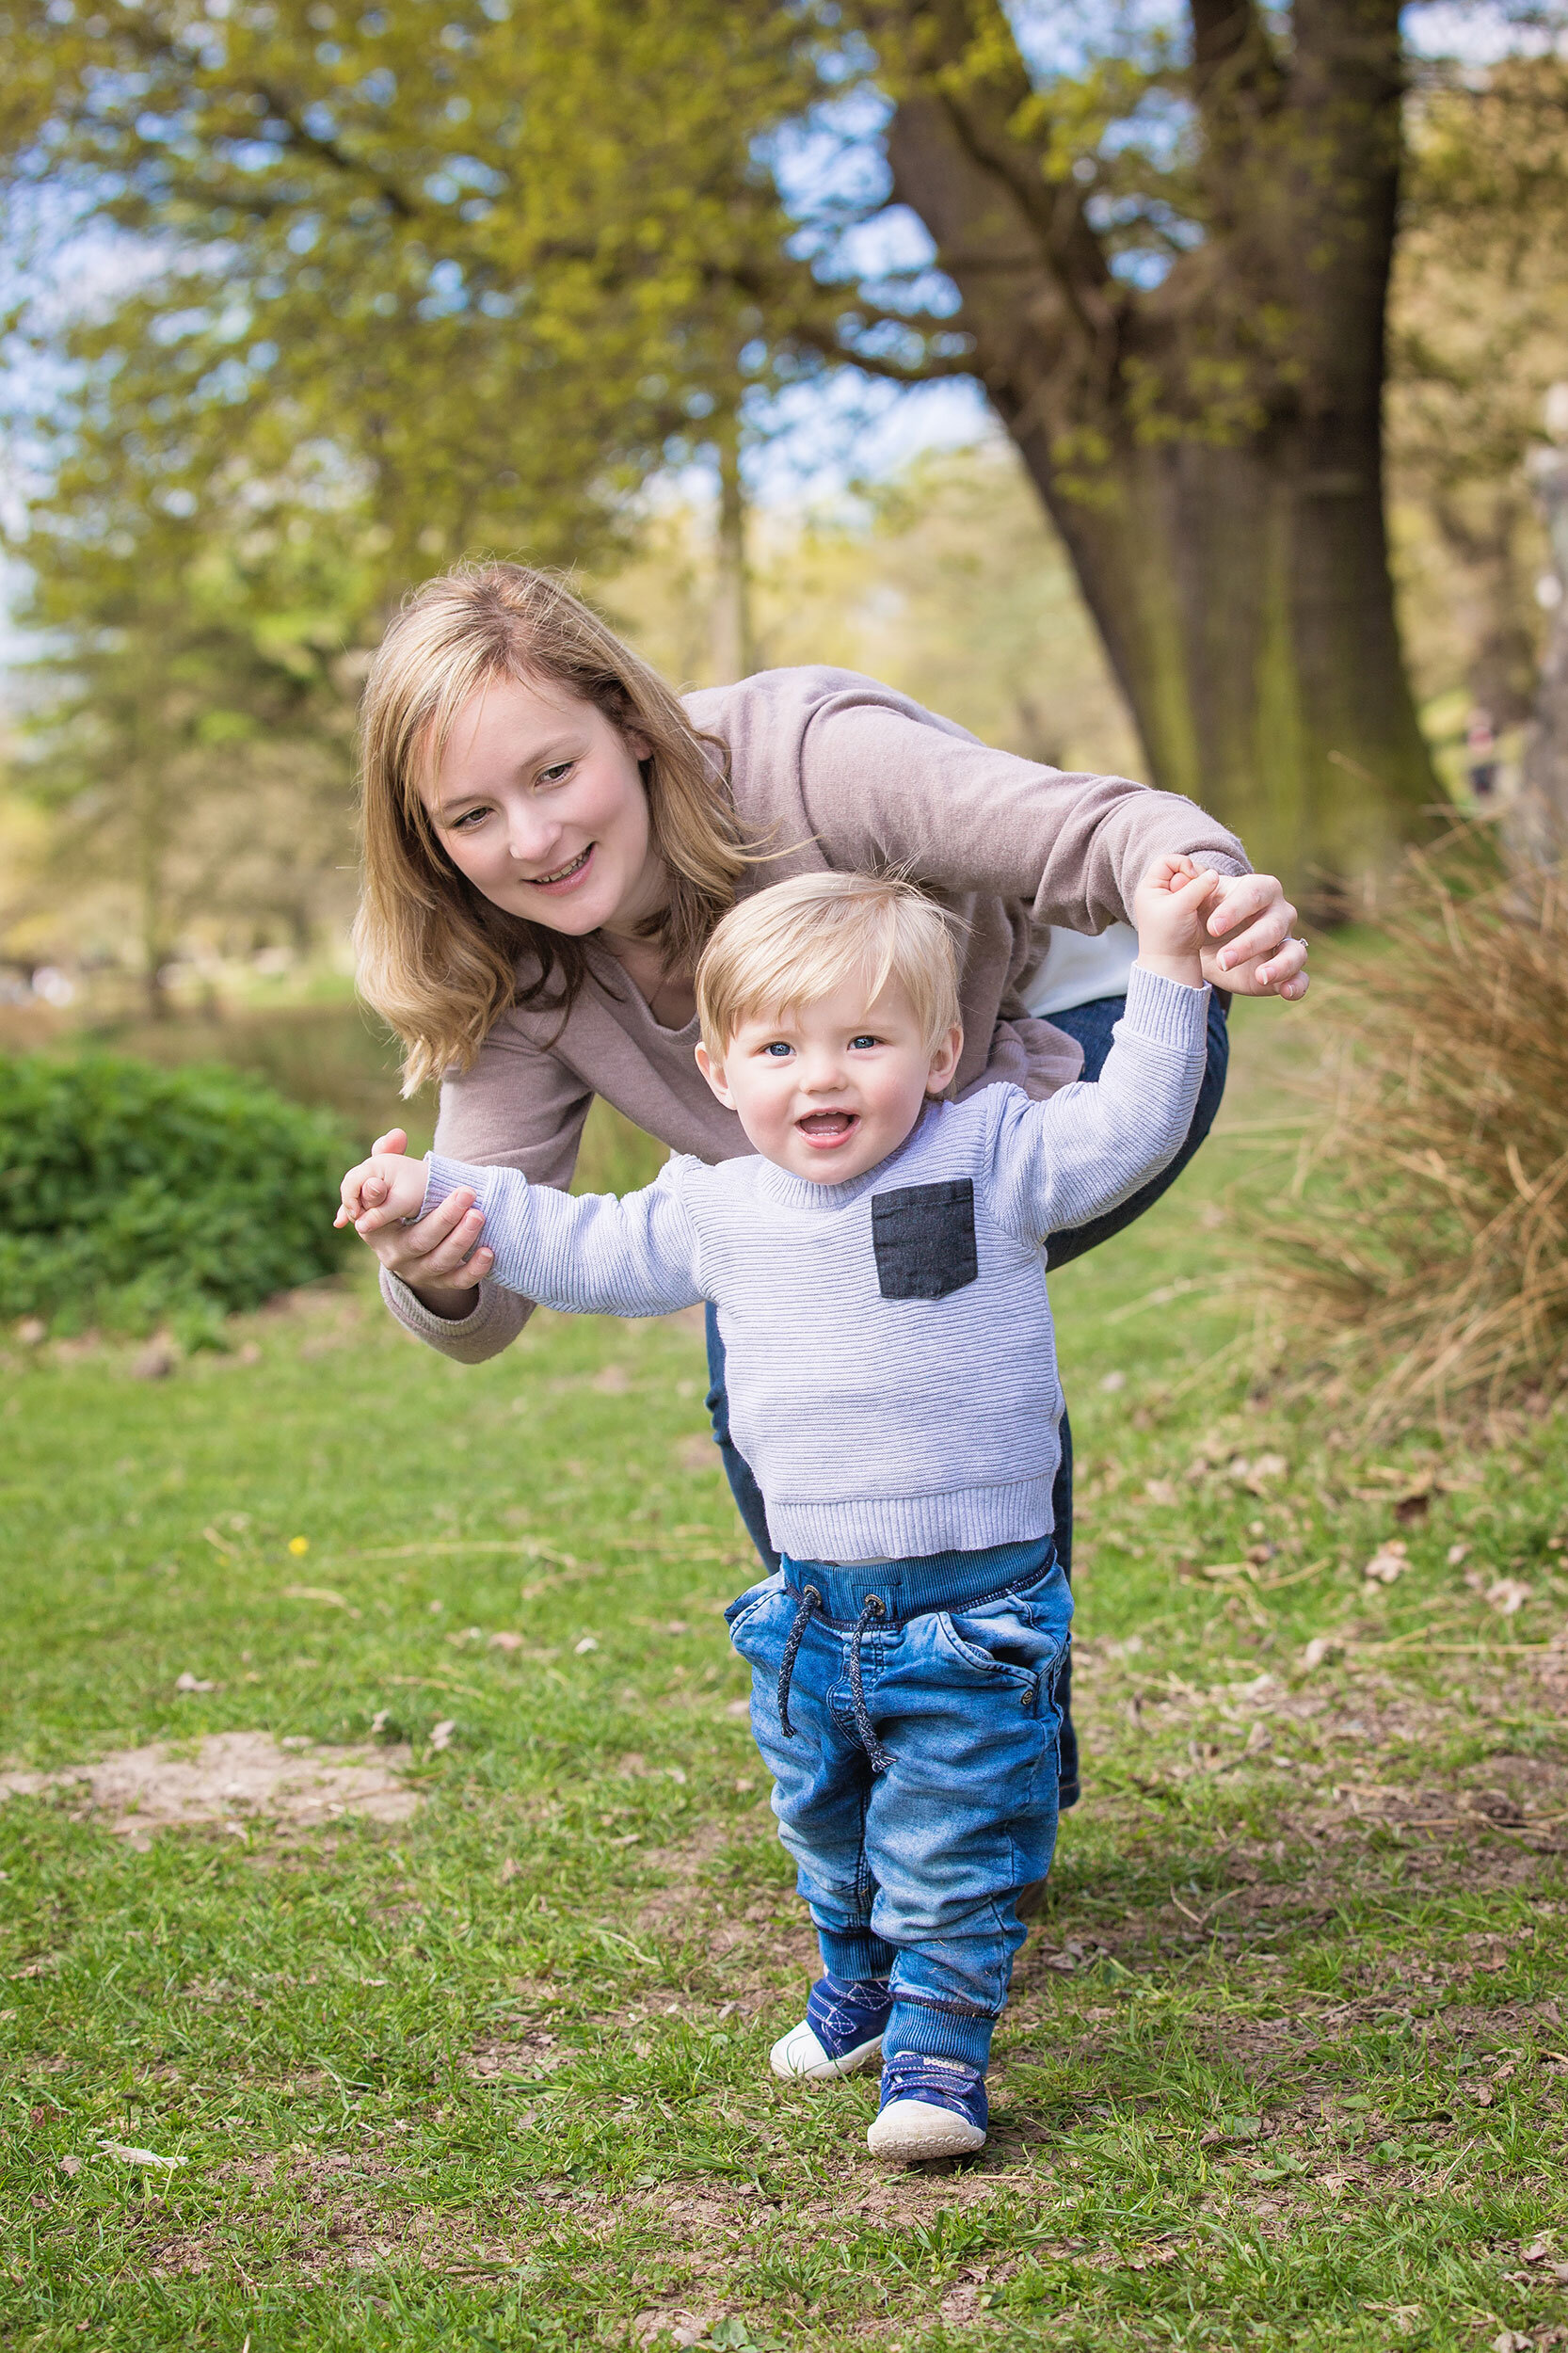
(1069, 1158)
(593, 1254)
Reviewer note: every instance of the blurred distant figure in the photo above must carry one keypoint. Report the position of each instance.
(1481, 754)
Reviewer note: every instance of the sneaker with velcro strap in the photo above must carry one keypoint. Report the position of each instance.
(842, 2030)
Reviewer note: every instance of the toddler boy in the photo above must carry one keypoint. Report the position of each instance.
(879, 1279)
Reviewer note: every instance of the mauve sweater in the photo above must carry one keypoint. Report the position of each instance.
(842, 774)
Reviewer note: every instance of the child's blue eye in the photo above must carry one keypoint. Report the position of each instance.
(864, 1041)
(779, 1047)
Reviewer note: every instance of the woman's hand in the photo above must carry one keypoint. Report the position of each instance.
(438, 1257)
(1259, 958)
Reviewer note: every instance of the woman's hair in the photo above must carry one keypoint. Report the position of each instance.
(437, 959)
(797, 941)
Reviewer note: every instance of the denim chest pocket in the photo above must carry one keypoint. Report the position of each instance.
(924, 1235)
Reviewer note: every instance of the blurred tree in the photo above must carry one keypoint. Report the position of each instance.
(1481, 293)
(192, 737)
(499, 258)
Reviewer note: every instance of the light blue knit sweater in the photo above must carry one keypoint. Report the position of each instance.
(888, 1342)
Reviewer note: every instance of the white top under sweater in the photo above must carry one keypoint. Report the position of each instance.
(881, 1422)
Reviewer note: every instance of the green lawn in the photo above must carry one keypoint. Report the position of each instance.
(1288, 2061)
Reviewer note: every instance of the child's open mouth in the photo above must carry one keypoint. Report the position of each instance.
(826, 1128)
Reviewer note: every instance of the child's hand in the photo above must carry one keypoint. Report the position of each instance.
(1170, 907)
(386, 1190)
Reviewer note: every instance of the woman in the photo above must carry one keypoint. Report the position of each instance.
(551, 834)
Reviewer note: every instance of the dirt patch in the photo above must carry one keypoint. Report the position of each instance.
(230, 1780)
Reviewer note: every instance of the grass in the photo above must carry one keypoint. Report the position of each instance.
(1288, 2059)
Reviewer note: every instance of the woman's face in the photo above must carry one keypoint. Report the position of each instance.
(538, 801)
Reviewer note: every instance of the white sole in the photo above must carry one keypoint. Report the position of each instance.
(909, 2130)
(799, 2057)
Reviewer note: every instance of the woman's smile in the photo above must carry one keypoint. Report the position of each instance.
(562, 877)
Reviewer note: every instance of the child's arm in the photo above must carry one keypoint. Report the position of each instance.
(594, 1255)
(1059, 1164)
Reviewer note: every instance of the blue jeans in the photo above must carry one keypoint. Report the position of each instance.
(1091, 1026)
(914, 1756)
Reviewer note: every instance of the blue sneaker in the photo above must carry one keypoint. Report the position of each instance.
(931, 2108)
(842, 2030)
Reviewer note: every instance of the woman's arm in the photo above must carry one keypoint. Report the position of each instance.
(885, 783)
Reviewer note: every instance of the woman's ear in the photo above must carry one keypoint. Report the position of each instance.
(639, 746)
(944, 1062)
(713, 1072)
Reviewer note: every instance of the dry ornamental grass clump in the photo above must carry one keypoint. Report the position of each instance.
(1427, 1239)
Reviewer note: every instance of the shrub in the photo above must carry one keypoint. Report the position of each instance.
(1430, 1241)
(131, 1197)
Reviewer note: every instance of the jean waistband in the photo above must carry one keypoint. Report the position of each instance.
(909, 1589)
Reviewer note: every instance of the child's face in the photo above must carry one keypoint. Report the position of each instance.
(829, 1090)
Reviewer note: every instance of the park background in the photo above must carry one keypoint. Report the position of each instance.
(392, 1928)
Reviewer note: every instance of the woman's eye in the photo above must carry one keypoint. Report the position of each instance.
(470, 818)
(559, 774)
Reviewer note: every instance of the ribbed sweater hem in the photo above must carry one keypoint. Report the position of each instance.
(898, 1528)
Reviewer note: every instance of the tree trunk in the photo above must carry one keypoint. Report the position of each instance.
(1208, 446)
(1243, 595)
(734, 654)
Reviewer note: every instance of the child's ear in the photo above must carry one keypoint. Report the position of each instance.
(713, 1072)
(944, 1062)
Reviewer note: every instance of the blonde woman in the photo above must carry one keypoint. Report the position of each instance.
(551, 834)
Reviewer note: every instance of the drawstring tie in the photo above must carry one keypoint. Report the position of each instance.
(810, 1601)
(880, 1759)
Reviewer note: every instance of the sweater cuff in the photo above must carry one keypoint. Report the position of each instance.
(443, 1178)
(469, 1339)
(1167, 1011)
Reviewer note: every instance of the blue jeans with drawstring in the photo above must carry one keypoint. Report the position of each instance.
(907, 1713)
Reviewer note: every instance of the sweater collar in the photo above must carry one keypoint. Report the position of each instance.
(798, 1192)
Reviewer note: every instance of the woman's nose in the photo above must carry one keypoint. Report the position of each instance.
(530, 839)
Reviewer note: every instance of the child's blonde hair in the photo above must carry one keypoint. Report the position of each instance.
(797, 941)
(437, 960)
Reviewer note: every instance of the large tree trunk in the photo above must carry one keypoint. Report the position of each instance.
(1210, 447)
(1243, 597)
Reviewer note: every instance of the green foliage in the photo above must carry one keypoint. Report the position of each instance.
(133, 1196)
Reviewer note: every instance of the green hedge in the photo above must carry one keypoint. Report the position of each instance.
(131, 1197)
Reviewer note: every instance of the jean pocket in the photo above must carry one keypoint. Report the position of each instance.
(746, 1606)
(1004, 1644)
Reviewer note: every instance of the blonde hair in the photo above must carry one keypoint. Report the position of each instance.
(797, 941)
(437, 959)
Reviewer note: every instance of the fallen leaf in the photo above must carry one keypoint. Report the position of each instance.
(1111, 1382)
(187, 1682)
(322, 1593)
(70, 2165)
(442, 1734)
(1508, 1597)
(1536, 2253)
(1458, 1553)
(1387, 1563)
(589, 1641)
(138, 2156)
(1321, 1647)
(381, 1719)
(1483, 2097)
(1512, 2341)
(31, 1330)
(506, 1642)
(1159, 1491)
